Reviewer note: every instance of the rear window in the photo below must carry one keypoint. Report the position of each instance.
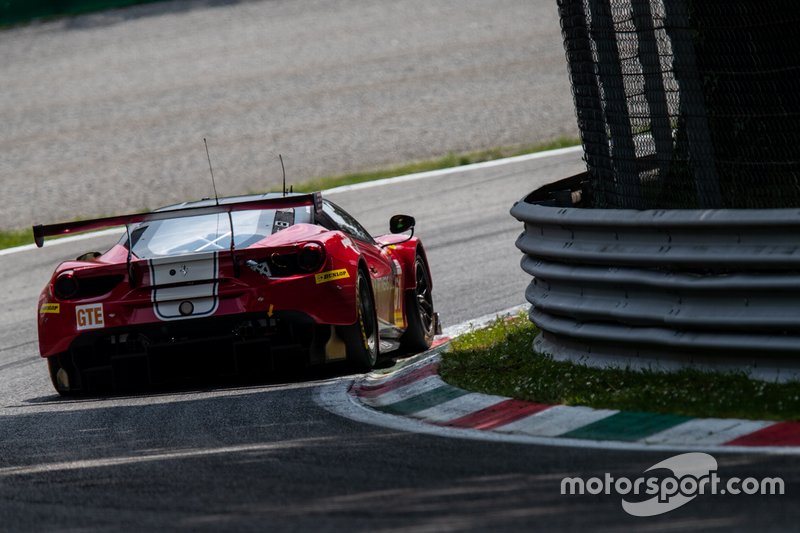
(208, 233)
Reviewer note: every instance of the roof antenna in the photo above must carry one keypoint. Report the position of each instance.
(213, 184)
(283, 168)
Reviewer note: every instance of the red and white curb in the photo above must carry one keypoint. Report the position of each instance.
(415, 398)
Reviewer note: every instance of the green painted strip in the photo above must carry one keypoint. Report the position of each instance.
(423, 401)
(626, 426)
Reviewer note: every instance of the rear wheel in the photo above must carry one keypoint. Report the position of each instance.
(362, 339)
(59, 376)
(419, 312)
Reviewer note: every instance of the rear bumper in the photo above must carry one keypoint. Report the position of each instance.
(242, 347)
(61, 323)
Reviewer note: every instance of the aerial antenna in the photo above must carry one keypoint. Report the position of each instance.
(213, 183)
(283, 168)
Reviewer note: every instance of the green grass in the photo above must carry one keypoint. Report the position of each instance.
(17, 237)
(21, 13)
(447, 161)
(12, 238)
(499, 360)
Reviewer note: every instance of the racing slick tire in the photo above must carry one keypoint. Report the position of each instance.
(419, 312)
(362, 340)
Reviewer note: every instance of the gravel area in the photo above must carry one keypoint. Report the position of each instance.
(106, 113)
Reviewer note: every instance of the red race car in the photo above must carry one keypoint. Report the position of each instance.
(232, 286)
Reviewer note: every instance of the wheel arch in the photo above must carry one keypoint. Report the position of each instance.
(407, 256)
(361, 267)
(420, 250)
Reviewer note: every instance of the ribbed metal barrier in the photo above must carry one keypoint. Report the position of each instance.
(662, 288)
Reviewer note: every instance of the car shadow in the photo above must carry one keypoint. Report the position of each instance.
(291, 376)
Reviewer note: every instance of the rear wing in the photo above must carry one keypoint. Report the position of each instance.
(66, 228)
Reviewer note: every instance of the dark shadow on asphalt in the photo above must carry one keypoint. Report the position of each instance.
(319, 373)
(273, 460)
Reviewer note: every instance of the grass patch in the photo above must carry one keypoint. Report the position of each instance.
(12, 238)
(499, 360)
(448, 161)
(18, 237)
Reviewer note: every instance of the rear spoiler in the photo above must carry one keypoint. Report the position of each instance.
(65, 228)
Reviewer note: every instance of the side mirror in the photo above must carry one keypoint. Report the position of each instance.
(401, 223)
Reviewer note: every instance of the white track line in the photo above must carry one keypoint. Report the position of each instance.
(347, 188)
(485, 320)
(105, 462)
(454, 170)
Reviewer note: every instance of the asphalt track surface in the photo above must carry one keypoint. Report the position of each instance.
(107, 113)
(269, 457)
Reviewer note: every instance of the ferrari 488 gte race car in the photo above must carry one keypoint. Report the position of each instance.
(232, 287)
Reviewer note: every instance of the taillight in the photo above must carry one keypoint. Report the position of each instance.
(278, 260)
(66, 286)
(305, 258)
(310, 257)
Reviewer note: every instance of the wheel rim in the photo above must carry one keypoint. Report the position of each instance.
(366, 316)
(424, 298)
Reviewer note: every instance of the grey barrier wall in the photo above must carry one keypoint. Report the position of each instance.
(662, 288)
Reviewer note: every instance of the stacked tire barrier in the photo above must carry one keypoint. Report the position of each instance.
(662, 288)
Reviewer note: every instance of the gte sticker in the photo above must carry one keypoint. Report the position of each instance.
(331, 275)
(89, 316)
(50, 308)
